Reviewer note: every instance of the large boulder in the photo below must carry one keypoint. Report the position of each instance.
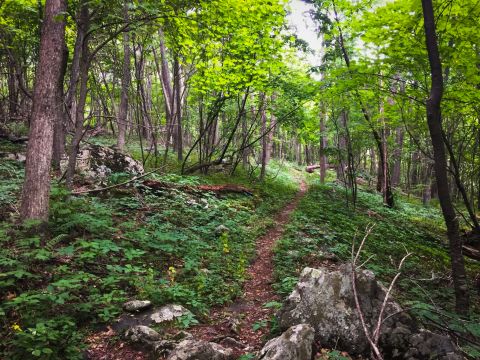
(294, 344)
(325, 300)
(200, 350)
(95, 163)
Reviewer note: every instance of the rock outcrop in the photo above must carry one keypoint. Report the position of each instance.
(324, 299)
(294, 344)
(95, 163)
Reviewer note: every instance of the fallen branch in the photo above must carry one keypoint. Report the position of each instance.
(471, 252)
(218, 189)
(117, 185)
(373, 338)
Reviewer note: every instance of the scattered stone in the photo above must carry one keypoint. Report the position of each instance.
(220, 229)
(231, 342)
(168, 313)
(294, 344)
(147, 317)
(20, 157)
(163, 347)
(142, 334)
(200, 350)
(324, 299)
(182, 335)
(136, 305)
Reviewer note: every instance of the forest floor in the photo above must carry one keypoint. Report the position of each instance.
(245, 320)
(247, 317)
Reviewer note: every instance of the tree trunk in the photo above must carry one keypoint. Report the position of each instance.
(59, 129)
(46, 105)
(178, 108)
(434, 120)
(323, 146)
(397, 156)
(84, 65)
(123, 109)
(263, 129)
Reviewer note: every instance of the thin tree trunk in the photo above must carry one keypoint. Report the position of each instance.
(126, 78)
(178, 108)
(59, 130)
(434, 120)
(263, 129)
(82, 96)
(46, 106)
(397, 156)
(323, 146)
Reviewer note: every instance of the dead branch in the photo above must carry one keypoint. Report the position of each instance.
(217, 189)
(373, 338)
(116, 185)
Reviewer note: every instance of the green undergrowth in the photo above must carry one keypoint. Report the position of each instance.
(163, 245)
(323, 225)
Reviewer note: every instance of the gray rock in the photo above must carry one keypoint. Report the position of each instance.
(220, 229)
(156, 315)
(294, 344)
(142, 335)
(199, 350)
(428, 345)
(182, 335)
(324, 299)
(168, 313)
(136, 305)
(163, 347)
(96, 162)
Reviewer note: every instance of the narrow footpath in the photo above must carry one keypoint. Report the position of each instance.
(233, 325)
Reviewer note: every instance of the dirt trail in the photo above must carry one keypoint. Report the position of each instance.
(236, 320)
(232, 325)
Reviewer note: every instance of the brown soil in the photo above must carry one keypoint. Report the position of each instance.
(232, 325)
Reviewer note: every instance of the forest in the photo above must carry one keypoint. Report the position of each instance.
(239, 179)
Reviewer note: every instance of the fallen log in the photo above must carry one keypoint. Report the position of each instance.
(471, 252)
(217, 189)
(311, 168)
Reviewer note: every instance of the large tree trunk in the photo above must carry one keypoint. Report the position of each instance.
(434, 120)
(123, 109)
(46, 106)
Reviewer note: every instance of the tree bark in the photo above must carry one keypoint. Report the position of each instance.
(126, 78)
(59, 129)
(323, 146)
(46, 105)
(434, 120)
(263, 127)
(397, 156)
(84, 64)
